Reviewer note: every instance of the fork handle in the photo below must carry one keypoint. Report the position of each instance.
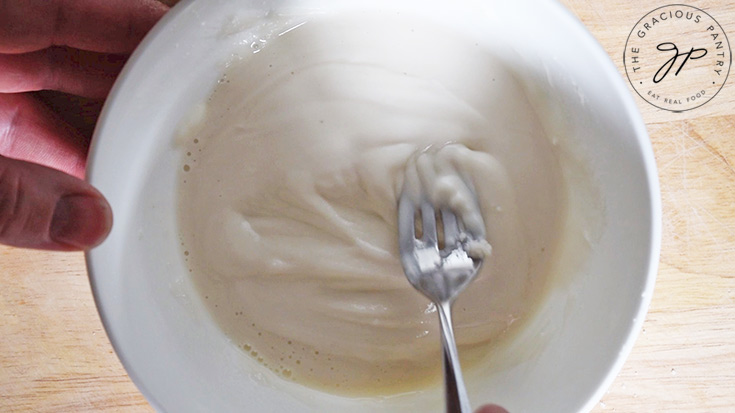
(456, 393)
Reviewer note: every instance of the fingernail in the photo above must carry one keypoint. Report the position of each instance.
(81, 221)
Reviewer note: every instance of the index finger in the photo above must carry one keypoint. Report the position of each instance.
(108, 26)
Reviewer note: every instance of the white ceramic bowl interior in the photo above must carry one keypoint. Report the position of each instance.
(183, 363)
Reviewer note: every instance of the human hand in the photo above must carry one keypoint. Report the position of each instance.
(491, 408)
(77, 47)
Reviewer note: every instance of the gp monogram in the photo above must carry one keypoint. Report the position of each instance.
(677, 57)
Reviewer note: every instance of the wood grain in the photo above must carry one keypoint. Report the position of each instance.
(684, 359)
(55, 357)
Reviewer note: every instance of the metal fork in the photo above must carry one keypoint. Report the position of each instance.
(440, 275)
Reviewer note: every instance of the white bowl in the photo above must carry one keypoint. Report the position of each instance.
(182, 362)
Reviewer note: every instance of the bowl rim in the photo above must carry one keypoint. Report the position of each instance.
(90, 256)
(633, 114)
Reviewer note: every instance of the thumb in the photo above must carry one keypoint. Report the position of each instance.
(43, 208)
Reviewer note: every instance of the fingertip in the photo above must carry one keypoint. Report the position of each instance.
(81, 221)
(43, 208)
(491, 408)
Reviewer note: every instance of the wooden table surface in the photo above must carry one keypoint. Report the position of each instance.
(55, 356)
